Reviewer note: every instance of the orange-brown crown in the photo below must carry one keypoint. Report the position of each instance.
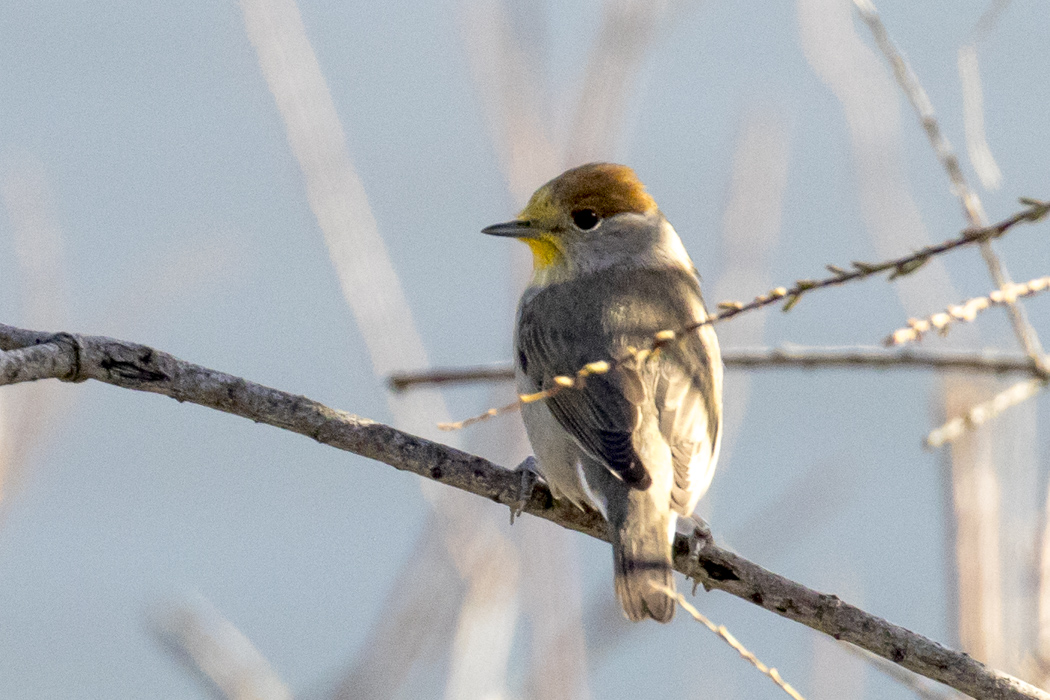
(606, 188)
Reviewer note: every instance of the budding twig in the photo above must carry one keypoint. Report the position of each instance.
(984, 411)
(561, 382)
(967, 311)
(898, 267)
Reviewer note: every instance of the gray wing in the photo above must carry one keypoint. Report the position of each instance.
(560, 330)
(599, 416)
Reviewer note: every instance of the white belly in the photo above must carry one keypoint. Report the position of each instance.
(561, 462)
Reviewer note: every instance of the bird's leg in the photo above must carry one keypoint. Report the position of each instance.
(701, 534)
(698, 540)
(529, 477)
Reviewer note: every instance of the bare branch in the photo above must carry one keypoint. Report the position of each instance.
(141, 368)
(32, 363)
(785, 357)
(800, 357)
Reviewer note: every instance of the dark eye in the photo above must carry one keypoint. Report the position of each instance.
(585, 219)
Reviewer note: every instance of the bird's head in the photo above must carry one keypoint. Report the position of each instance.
(593, 216)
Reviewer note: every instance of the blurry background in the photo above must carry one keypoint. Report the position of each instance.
(292, 192)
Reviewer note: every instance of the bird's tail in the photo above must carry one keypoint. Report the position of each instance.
(639, 530)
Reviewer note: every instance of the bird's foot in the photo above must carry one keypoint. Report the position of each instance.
(529, 477)
(701, 534)
(699, 539)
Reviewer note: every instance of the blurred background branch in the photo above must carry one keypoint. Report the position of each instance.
(217, 652)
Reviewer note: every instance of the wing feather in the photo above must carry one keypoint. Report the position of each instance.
(599, 417)
(560, 330)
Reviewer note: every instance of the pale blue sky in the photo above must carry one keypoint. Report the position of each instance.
(186, 226)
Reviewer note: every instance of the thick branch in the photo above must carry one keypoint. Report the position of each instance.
(133, 366)
(790, 357)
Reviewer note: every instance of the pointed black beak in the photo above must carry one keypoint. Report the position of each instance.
(513, 229)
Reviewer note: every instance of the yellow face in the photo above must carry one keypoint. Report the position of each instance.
(604, 189)
(544, 216)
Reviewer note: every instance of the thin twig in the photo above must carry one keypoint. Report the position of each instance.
(785, 357)
(984, 411)
(898, 267)
(141, 368)
(725, 635)
(967, 311)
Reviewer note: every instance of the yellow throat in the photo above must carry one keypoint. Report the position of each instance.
(541, 210)
(544, 253)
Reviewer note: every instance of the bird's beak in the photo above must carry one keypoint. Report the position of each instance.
(514, 229)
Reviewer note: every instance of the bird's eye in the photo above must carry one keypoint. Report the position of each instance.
(585, 219)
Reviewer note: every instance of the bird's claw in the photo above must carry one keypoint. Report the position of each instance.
(701, 535)
(699, 539)
(529, 477)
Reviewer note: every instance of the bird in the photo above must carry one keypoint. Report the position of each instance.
(638, 442)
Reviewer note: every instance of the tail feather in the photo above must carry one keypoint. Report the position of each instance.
(639, 528)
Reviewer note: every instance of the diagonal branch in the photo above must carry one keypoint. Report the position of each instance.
(983, 412)
(898, 267)
(966, 311)
(141, 368)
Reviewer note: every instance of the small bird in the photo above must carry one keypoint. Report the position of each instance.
(639, 442)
